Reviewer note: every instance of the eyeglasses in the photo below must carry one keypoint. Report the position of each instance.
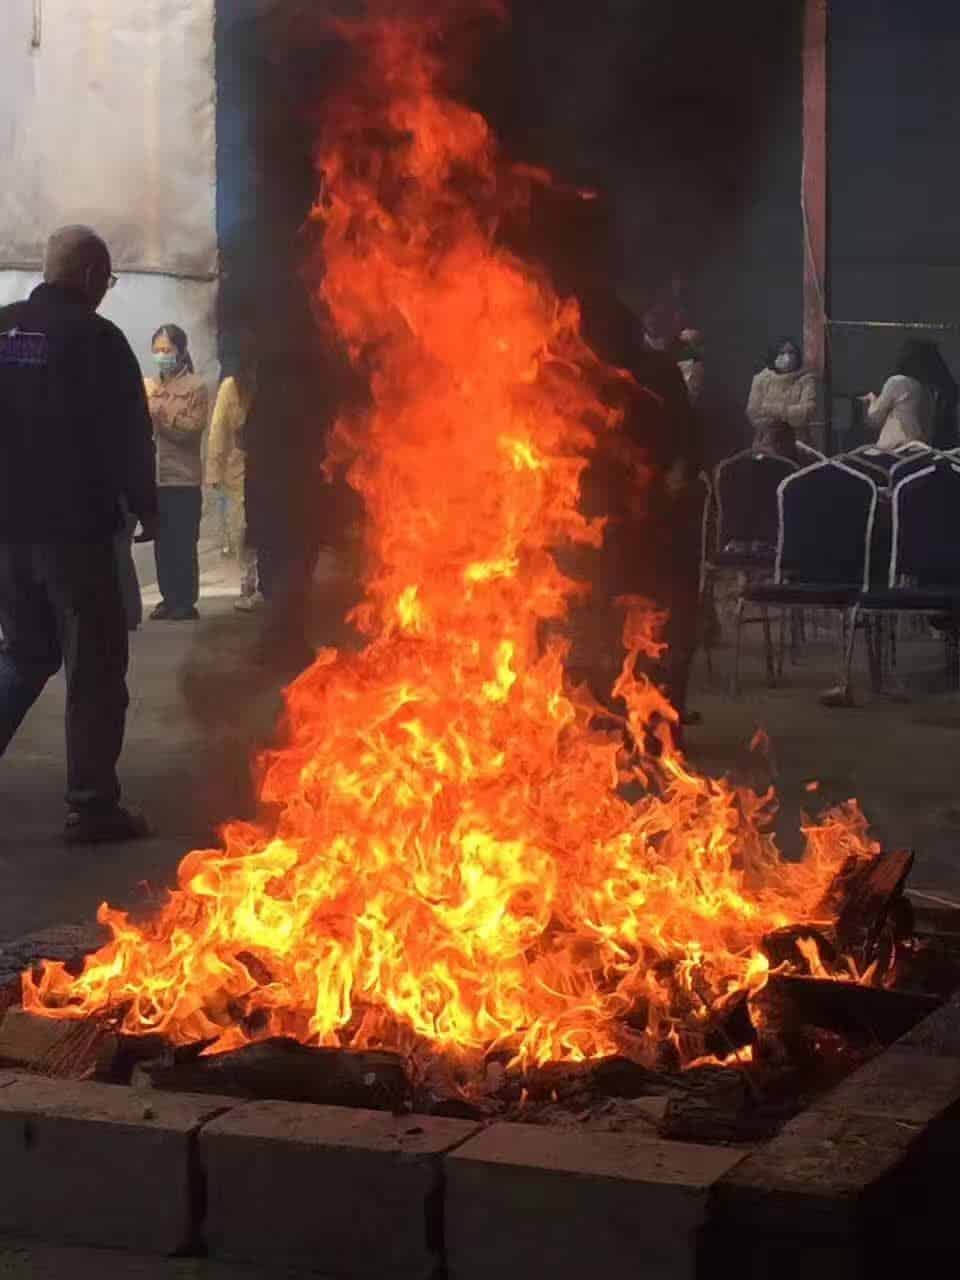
(112, 281)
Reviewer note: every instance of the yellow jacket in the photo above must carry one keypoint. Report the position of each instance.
(226, 459)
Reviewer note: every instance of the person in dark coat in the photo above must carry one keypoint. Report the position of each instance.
(292, 509)
(644, 478)
(76, 455)
(653, 541)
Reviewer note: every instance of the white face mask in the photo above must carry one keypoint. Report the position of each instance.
(785, 363)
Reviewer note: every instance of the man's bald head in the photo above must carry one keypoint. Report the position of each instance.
(77, 258)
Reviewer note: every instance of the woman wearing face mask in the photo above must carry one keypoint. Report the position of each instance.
(783, 392)
(179, 408)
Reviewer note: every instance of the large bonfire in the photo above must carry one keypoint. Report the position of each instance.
(454, 862)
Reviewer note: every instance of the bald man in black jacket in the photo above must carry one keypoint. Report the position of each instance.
(76, 451)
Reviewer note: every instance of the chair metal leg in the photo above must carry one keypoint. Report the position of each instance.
(737, 645)
(798, 635)
(768, 650)
(786, 625)
(707, 620)
(850, 619)
(874, 628)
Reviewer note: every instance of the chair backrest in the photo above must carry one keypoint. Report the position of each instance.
(745, 492)
(926, 526)
(912, 461)
(827, 516)
(808, 454)
(879, 458)
(868, 467)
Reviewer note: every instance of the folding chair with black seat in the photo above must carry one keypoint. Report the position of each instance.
(744, 513)
(882, 459)
(827, 515)
(924, 564)
(910, 462)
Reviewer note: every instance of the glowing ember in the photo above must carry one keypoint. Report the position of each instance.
(454, 859)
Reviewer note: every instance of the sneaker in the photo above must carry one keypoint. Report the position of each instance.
(250, 604)
(183, 615)
(161, 612)
(110, 826)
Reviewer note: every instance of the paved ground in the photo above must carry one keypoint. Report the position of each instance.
(199, 702)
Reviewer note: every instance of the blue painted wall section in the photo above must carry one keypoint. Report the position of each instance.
(239, 70)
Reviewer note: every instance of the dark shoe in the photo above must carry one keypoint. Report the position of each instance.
(161, 613)
(837, 697)
(110, 826)
(183, 615)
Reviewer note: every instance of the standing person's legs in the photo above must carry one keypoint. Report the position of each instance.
(164, 548)
(286, 578)
(84, 587)
(192, 515)
(246, 555)
(681, 595)
(30, 651)
(178, 532)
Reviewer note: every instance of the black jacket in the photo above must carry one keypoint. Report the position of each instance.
(76, 442)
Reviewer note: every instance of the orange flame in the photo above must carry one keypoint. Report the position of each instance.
(455, 858)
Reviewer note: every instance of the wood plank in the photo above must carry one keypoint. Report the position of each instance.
(851, 1009)
(286, 1071)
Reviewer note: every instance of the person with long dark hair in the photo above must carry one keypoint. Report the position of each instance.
(907, 409)
(178, 409)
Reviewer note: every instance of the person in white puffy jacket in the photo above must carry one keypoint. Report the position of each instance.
(784, 392)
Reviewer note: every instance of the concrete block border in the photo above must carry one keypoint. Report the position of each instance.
(356, 1194)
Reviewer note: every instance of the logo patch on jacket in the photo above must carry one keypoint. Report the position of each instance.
(19, 350)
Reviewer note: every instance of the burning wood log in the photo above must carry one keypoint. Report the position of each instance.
(868, 902)
(287, 1071)
(780, 947)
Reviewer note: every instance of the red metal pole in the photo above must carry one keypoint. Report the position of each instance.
(816, 198)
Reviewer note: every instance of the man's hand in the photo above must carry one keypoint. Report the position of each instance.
(148, 529)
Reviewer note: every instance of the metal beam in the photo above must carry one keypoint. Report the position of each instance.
(816, 198)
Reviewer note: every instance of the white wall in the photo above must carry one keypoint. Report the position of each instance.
(111, 121)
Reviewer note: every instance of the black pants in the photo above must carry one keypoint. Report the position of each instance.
(286, 577)
(657, 559)
(61, 605)
(178, 531)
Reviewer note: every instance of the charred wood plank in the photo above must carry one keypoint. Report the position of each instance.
(864, 897)
(287, 1071)
(852, 1009)
(65, 1049)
